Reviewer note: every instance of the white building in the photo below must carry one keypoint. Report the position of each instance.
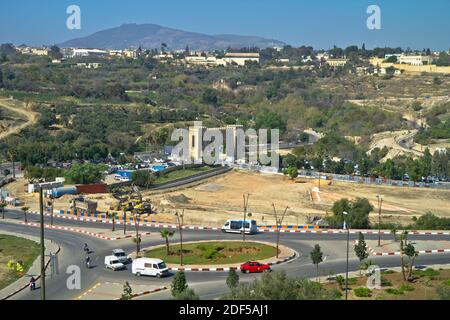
(417, 60)
(241, 58)
(89, 53)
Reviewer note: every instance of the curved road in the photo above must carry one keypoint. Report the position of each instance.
(209, 285)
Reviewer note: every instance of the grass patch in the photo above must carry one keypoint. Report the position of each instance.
(214, 253)
(15, 248)
(179, 174)
(400, 290)
(363, 292)
(430, 272)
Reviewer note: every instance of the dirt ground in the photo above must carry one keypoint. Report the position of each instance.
(219, 199)
(424, 287)
(222, 198)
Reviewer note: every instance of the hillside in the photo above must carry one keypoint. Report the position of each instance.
(150, 36)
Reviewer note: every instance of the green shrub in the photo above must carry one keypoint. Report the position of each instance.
(363, 292)
(443, 292)
(430, 272)
(446, 283)
(394, 291)
(406, 288)
(385, 282)
(388, 272)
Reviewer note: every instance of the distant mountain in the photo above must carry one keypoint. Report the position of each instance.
(150, 36)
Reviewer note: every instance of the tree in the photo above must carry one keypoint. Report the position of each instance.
(143, 178)
(1, 78)
(165, 234)
(25, 211)
(358, 210)
(316, 258)
(113, 216)
(232, 279)
(2, 208)
(85, 173)
(188, 294)
(127, 292)
(179, 284)
(361, 250)
(292, 172)
(410, 251)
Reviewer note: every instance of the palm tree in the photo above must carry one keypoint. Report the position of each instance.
(12, 154)
(113, 216)
(2, 208)
(165, 233)
(25, 210)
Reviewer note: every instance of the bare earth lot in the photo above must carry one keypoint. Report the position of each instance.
(218, 199)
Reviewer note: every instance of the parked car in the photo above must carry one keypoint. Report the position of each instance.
(111, 262)
(149, 267)
(255, 267)
(121, 256)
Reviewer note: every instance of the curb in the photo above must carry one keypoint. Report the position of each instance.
(143, 293)
(397, 253)
(37, 278)
(263, 229)
(370, 232)
(225, 269)
(92, 234)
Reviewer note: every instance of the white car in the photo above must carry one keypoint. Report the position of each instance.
(121, 256)
(149, 267)
(111, 262)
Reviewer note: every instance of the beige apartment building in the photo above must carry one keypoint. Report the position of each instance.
(337, 62)
(416, 60)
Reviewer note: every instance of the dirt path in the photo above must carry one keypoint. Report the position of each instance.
(13, 105)
(398, 142)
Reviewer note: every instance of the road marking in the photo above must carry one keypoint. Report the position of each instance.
(88, 291)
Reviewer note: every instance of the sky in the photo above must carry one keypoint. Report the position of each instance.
(321, 24)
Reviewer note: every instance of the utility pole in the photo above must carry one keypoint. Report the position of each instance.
(51, 209)
(245, 215)
(41, 211)
(380, 202)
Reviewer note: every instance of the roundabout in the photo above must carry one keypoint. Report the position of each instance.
(217, 255)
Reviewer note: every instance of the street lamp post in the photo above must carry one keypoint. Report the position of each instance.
(348, 244)
(380, 202)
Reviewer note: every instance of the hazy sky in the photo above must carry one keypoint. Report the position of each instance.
(322, 24)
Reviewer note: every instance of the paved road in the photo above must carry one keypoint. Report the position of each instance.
(209, 285)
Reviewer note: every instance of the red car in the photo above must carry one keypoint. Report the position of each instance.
(254, 267)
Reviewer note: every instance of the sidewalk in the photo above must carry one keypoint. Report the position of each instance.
(35, 269)
(391, 247)
(114, 290)
(105, 234)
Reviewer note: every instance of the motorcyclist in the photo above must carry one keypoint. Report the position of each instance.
(86, 247)
(88, 262)
(32, 284)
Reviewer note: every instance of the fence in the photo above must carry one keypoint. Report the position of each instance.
(374, 181)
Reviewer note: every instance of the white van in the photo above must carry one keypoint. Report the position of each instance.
(111, 262)
(240, 226)
(149, 267)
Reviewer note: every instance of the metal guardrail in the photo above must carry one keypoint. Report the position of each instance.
(374, 181)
